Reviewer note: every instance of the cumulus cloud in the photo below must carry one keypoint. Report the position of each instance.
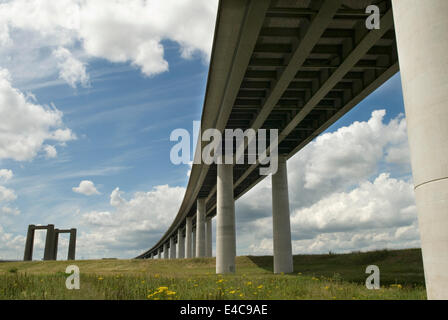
(342, 197)
(7, 195)
(132, 225)
(12, 245)
(71, 70)
(10, 211)
(50, 151)
(5, 175)
(385, 202)
(131, 31)
(25, 125)
(86, 187)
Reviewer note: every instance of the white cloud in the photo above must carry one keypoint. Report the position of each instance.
(86, 188)
(10, 211)
(385, 202)
(341, 196)
(25, 126)
(120, 31)
(133, 225)
(71, 70)
(5, 175)
(7, 195)
(50, 151)
(12, 245)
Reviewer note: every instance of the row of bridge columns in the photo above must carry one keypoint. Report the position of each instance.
(421, 31)
(197, 242)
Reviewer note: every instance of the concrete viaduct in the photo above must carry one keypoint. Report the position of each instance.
(298, 66)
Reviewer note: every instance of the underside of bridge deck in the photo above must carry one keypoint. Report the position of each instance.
(295, 66)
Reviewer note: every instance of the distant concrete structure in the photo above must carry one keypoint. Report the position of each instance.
(51, 242)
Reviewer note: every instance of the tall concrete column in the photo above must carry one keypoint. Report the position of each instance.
(200, 228)
(159, 254)
(72, 245)
(180, 244)
(172, 248)
(280, 220)
(165, 250)
(225, 221)
(29, 244)
(208, 238)
(194, 243)
(49, 243)
(56, 242)
(421, 31)
(189, 238)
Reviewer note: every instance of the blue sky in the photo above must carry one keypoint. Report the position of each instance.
(120, 108)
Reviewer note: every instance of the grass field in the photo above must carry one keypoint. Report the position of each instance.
(330, 276)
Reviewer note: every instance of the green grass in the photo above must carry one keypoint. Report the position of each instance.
(331, 276)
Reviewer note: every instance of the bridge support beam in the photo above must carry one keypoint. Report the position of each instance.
(159, 254)
(172, 248)
(180, 244)
(55, 244)
(200, 228)
(165, 251)
(422, 51)
(208, 238)
(49, 243)
(280, 220)
(189, 238)
(28, 256)
(72, 245)
(225, 220)
(194, 243)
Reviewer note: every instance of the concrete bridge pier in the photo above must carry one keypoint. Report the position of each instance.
(208, 238)
(200, 228)
(72, 245)
(49, 243)
(194, 243)
(280, 220)
(189, 238)
(421, 31)
(56, 243)
(165, 250)
(172, 248)
(159, 254)
(180, 244)
(28, 256)
(225, 220)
